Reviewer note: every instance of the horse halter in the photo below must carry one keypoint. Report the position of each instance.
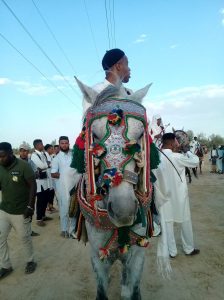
(114, 151)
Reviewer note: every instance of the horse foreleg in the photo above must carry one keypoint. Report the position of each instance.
(101, 269)
(131, 274)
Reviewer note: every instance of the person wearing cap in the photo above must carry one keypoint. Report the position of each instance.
(24, 155)
(40, 161)
(18, 186)
(49, 152)
(194, 145)
(64, 176)
(157, 129)
(117, 71)
(171, 196)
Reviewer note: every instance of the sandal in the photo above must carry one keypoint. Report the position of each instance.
(30, 267)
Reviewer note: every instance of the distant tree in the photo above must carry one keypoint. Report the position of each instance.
(215, 140)
(203, 140)
(190, 134)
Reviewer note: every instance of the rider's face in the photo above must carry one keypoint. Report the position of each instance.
(123, 69)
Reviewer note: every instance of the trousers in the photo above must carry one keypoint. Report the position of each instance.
(186, 237)
(41, 203)
(23, 229)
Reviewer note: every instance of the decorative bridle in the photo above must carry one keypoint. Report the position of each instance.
(108, 158)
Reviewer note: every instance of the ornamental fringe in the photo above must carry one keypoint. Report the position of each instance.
(78, 161)
(154, 157)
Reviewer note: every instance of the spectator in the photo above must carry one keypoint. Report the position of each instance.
(64, 176)
(49, 152)
(24, 155)
(171, 195)
(39, 160)
(18, 186)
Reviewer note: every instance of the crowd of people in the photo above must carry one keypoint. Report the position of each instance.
(45, 176)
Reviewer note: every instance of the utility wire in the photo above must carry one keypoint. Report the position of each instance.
(38, 70)
(54, 37)
(114, 35)
(108, 31)
(91, 30)
(38, 45)
(110, 23)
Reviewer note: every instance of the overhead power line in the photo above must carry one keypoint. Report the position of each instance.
(38, 45)
(91, 30)
(110, 21)
(38, 70)
(108, 30)
(54, 37)
(114, 27)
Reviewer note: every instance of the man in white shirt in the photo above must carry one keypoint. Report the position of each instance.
(115, 65)
(49, 152)
(157, 130)
(39, 160)
(171, 194)
(64, 181)
(194, 145)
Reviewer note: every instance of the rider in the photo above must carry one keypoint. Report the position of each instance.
(194, 145)
(157, 129)
(117, 71)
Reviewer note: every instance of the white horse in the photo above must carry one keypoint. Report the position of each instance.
(114, 193)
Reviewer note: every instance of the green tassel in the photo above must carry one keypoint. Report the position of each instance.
(78, 161)
(154, 157)
(123, 236)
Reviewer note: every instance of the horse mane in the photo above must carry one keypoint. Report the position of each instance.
(108, 92)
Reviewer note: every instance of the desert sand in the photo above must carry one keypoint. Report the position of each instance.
(64, 270)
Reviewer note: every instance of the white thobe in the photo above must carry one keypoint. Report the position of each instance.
(63, 185)
(194, 146)
(171, 197)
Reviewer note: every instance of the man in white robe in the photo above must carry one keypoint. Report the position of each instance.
(65, 178)
(194, 145)
(115, 65)
(171, 195)
(157, 130)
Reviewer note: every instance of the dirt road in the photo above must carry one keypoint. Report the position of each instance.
(64, 271)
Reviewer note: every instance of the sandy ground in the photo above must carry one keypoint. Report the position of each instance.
(64, 270)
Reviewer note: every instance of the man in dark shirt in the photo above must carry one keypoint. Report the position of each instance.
(18, 187)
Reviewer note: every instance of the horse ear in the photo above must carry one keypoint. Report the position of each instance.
(140, 94)
(89, 93)
(173, 129)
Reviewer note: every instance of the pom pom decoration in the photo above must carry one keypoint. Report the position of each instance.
(112, 177)
(104, 253)
(78, 161)
(115, 117)
(143, 242)
(98, 150)
(124, 249)
(131, 147)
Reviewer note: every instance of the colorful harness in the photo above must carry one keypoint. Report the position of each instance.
(112, 154)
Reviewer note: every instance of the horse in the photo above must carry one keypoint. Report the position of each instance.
(114, 193)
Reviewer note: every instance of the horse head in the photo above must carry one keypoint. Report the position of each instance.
(114, 149)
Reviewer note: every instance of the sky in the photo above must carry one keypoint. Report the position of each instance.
(177, 44)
